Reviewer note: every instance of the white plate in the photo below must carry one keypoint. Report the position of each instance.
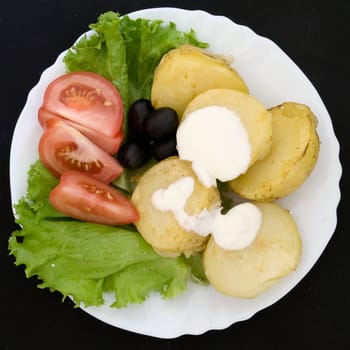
(273, 78)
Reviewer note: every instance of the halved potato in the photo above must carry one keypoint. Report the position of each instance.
(275, 252)
(160, 229)
(253, 114)
(293, 155)
(185, 72)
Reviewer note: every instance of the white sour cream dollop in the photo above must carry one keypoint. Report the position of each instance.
(174, 198)
(215, 140)
(237, 228)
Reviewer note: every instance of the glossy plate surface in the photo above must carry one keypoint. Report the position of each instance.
(273, 78)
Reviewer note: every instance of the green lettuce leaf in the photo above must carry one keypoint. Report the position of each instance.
(82, 260)
(40, 184)
(126, 51)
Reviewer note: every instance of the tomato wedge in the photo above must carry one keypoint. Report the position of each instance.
(88, 99)
(82, 197)
(107, 143)
(62, 148)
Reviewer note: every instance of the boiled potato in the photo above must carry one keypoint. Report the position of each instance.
(253, 114)
(294, 152)
(160, 229)
(185, 72)
(275, 252)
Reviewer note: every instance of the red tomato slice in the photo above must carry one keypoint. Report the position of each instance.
(82, 197)
(62, 148)
(107, 143)
(88, 99)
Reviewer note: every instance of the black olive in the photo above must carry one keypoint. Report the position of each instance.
(164, 148)
(134, 154)
(161, 123)
(138, 112)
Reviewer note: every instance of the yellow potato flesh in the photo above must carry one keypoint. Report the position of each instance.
(275, 253)
(253, 114)
(161, 229)
(293, 155)
(187, 71)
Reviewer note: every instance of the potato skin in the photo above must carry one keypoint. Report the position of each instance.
(253, 114)
(293, 155)
(275, 253)
(187, 71)
(160, 229)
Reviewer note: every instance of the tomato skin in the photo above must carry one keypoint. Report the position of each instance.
(107, 143)
(82, 197)
(88, 99)
(62, 148)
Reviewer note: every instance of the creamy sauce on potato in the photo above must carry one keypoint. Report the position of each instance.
(237, 228)
(174, 199)
(215, 140)
(234, 230)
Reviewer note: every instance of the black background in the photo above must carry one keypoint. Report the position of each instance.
(315, 314)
